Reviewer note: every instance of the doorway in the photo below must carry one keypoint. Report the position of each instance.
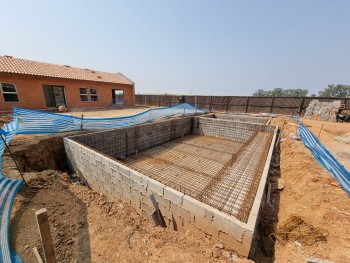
(118, 97)
(54, 96)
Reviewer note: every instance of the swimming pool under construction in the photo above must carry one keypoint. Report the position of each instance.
(207, 173)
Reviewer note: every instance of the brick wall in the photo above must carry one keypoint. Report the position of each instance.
(31, 94)
(181, 212)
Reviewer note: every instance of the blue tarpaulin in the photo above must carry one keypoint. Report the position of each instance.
(324, 157)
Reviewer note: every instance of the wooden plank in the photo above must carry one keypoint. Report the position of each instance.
(37, 255)
(45, 235)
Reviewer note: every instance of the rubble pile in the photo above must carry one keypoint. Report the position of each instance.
(323, 111)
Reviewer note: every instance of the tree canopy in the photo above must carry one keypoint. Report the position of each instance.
(278, 92)
(337, 91)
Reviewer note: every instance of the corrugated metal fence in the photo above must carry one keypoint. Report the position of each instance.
(250, 104)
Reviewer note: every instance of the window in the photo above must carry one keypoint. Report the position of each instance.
(9, 92)
(84, 94)
(93, 94)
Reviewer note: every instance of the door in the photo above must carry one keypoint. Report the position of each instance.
(118, 96)
(54, 96)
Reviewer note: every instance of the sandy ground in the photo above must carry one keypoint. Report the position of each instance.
(86, 227)
(340, 150)
(108, 113)
(311, 193)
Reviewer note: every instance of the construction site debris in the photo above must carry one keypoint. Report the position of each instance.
(323, 111)
(281, 184)
(296, 228)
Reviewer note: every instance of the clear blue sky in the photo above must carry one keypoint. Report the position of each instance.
(202, 47)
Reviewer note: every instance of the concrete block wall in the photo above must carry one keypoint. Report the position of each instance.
(181, 212)
(227, 129)
(140, 137)
(238, 118)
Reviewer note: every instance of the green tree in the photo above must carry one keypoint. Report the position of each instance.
(336, 91)
(278, 92)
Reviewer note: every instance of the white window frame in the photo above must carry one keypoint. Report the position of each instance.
(6, 92)
(84, 94)
(93, 95)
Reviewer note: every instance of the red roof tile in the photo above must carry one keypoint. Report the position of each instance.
(10, 64)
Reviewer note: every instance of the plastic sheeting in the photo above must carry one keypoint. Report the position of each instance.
(8, 190)
(324, 157)
(39, 122)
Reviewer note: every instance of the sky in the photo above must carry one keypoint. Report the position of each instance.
(196, 47)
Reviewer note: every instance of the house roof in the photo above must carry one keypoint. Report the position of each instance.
(10, 64)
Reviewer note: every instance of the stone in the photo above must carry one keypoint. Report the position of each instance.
(281, 184)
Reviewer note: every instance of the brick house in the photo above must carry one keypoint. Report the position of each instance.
(37, 85)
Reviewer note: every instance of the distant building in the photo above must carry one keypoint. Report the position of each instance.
(37, 85)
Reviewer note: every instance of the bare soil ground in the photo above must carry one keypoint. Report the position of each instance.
(311, 193)
(109, 113)
(86, 227)
(340, 150)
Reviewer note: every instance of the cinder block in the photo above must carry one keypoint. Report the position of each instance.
(232, 243)
(180, 211)
(105, 161)
(114, 165)
(117, 175)
(124, 170)
(248, 237)
(162, 201)
(194, 206)
(107, 175)
(207, 227)
(127, 180)
(125, 199)
(117, 187)
(188, 226)
(228, 226)
(98, 157)
(155, 186)
(126, 188)
(147, 211)
(147, 201)
(140, 188)
(136, 176)
(173, 195)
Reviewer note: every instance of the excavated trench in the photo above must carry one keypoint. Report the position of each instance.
(40, 153)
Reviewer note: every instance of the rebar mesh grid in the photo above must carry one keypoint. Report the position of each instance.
(234, 192)
(187, 164)
(221, 173)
